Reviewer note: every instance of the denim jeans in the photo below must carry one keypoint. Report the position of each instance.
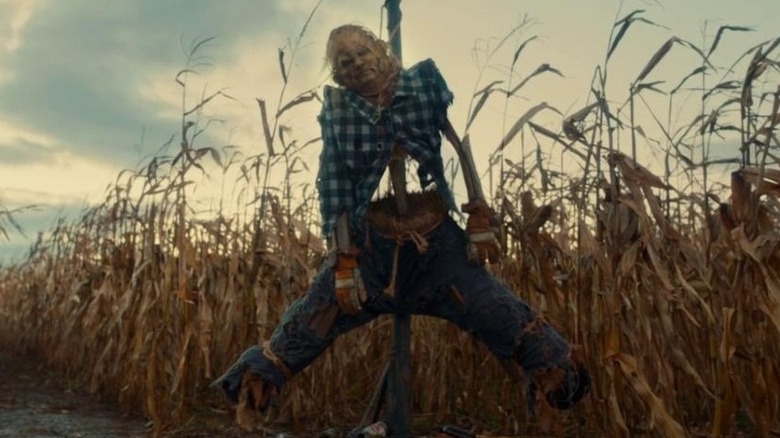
(439, 282)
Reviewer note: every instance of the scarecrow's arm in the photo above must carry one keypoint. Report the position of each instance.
(473, 186)
(482, 225)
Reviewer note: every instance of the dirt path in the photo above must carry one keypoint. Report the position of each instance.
(35, 404)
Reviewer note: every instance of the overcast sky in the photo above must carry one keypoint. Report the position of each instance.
(87, 86)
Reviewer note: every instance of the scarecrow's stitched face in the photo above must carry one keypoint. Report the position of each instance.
(358, 62)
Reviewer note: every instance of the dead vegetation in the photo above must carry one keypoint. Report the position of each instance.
(669, 285)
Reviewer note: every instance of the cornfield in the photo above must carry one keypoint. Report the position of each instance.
(668, 283)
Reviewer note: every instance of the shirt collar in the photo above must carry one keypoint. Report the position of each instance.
(404, 87)
(357, 101)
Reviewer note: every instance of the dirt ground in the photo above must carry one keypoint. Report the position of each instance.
(34, 403)
(37, 403)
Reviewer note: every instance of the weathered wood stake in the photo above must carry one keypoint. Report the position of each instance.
(399, 416)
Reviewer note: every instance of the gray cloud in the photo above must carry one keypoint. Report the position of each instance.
(76, 75)
(24, 152)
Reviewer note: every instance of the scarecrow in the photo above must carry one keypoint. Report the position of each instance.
(382, 261)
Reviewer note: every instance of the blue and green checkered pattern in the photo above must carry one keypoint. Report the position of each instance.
(358, 139)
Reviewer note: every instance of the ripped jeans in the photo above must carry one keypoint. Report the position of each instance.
(439, 282)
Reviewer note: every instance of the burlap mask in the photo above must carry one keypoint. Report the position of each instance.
(359, 60)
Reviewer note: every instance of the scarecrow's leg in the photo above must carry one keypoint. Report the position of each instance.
(472, 298)
(308, 327)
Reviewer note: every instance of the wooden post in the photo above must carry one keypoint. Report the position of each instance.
(399, 416)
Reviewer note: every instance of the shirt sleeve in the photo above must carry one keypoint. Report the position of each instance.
(442, 94)
(334, 184)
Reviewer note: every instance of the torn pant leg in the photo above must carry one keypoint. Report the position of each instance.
(472, 298)
(307, 328)
(563, 381)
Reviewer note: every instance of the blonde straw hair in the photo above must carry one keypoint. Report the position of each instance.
(388, 63)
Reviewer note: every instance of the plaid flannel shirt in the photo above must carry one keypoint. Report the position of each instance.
(358, 139)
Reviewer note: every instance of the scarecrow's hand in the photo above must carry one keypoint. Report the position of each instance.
(482, 229)
(350, 291)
